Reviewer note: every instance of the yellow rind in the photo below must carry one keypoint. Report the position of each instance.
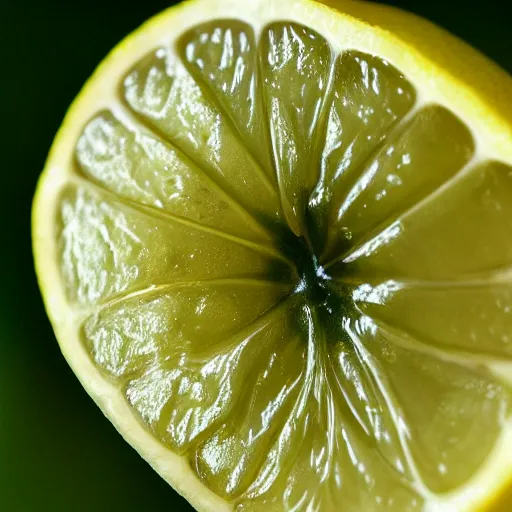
(444, 69)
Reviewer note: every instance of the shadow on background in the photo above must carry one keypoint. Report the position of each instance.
(57, 451)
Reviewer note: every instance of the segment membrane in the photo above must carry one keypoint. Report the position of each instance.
(223, 58)
(107, 249)
(369, 98)
(181, 376)
(141, 167)
(462, 233)
(167, 99)
(320, 459)
(430, 149)
(231, 457)
(451, 415)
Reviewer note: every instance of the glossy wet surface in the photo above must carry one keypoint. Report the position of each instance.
(277, 242)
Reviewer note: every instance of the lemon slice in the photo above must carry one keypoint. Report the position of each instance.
(273, 239)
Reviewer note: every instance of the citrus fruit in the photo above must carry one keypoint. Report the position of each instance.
(274, 242)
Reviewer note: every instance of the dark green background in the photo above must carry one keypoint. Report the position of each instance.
(57, 451)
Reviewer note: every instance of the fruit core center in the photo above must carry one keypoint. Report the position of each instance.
(313, 280)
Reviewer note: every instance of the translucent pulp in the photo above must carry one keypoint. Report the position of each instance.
(293, 271)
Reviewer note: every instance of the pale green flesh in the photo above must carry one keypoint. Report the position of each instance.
(272, 248)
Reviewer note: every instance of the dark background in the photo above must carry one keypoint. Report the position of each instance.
(57, 451)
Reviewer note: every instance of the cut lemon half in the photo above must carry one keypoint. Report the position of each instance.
(274, 239)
